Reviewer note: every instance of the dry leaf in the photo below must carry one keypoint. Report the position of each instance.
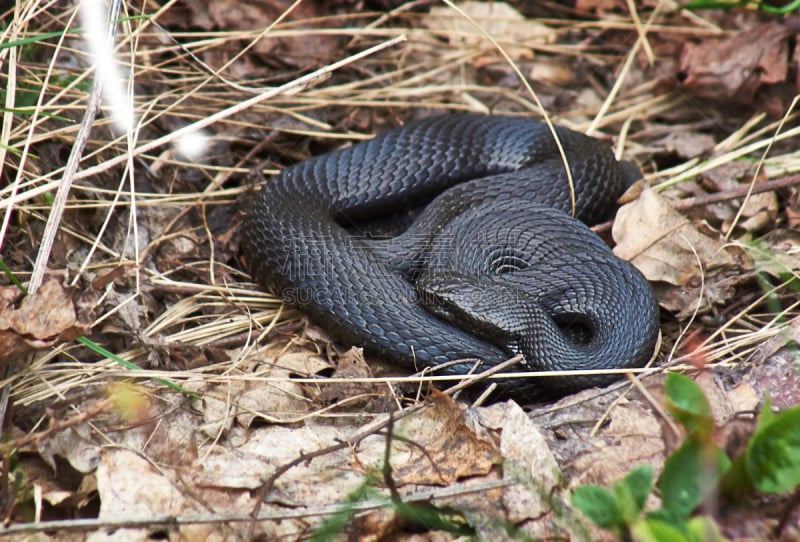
(277, 402)
(43, 319)
(498, 19)
(599, 6)
(298, 361)
(743, 397)
(232, 468)
(323, 480)
(758, 213)
(662, 243)
(721, 409)
(36, 472)
(632, 438)
(688, 144)
(280, 401)
(438, 447)
(736, 68)
(351, 365)
(75, 444)
(217, 412)
(327, 479)
(527, 459)
(130, 487)
(691, 269)
(773, 368)
(355, 396)
(298, 49)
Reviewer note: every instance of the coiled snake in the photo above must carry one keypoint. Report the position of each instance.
(495, 265)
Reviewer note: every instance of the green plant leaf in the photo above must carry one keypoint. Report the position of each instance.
(736, 483)
(432, 518)
(631, 493)
(132, 366)
(704, 529)
(773, 456)
(12, 277)
(335, 524)
(28, 111)
(766, 416)
(655, 530)
(688, 405)
(690, 475)
(763, 6)
(599, 505)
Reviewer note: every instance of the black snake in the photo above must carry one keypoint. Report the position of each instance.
(494, 265)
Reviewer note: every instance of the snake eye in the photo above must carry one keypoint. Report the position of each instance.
(505, 260)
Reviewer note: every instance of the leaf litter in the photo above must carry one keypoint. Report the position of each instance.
(279, 430)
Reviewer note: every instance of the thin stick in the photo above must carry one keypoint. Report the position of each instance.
(743, 191)
(60, 200)
(717, 197)
(282, 514)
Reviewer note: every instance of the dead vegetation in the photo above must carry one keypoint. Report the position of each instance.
(142, 259)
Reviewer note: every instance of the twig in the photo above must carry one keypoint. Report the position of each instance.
(717, 197)
(60, 199)
(151, 522)
(104, 405)
(740, 192)
(369, 429)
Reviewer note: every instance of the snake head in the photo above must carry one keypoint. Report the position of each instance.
(481, 309)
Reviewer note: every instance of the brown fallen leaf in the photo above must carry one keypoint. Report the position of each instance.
(667, 248)
(74, 444)
(599, 6)
(662, 243)
(436, 446)
(500, 20)
(736, 68)
(773, 367)
(687, 144)
(244, 402)
(755, 213)
(292, 49)
(351, 365)
(722, 409)
(130, 486)
(531, 465)
(633, 437)
(43, 319)
(356, 396)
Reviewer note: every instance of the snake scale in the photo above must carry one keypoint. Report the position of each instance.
(498, 262)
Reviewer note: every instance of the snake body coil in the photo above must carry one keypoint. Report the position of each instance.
(493, 266)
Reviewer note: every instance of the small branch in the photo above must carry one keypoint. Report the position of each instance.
(60, 199)
(740, 192)
(717, 197)
(366, 431)
(105, 405)
(153, 522)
